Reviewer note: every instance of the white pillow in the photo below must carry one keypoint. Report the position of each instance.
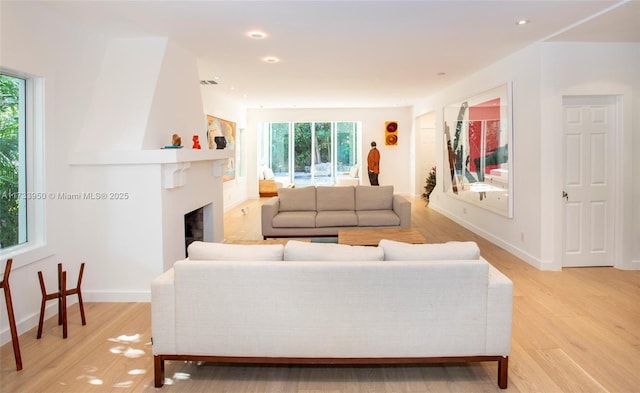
(304, 251)
(399, 251)
(268, 174)
(205, 251)
(261, 173)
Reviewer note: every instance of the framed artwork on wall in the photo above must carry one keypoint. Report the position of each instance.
(216, 129)
(478, 156)
(391, 133)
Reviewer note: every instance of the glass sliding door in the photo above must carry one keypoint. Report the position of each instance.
(346, 146)
(279, 150)
(302, 153)
(322, 154)
(313, 153)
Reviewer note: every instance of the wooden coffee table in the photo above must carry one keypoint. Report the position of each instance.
(371, 237)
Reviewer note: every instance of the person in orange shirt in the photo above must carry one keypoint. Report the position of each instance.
(373, 164)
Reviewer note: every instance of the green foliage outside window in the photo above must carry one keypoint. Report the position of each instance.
(9, 160)
(302, 138)
(280, 148)
(323, 142)
(346, 151)
(317, 142)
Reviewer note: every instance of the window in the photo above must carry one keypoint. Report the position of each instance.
(312, 153)
(279, 149)
(13, 191)
(23, 198)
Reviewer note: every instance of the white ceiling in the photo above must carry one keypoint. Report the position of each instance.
(353, 53)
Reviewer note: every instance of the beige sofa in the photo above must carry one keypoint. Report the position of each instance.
(322, 211)
(315, 303)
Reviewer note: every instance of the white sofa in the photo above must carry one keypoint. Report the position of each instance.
(323, 211)
(332, 304)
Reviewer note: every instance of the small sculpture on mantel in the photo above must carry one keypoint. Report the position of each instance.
(196, 142)
(176, 140)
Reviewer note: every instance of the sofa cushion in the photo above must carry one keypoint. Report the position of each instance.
(354, 171)
(335, 198)
(336, 218)
(297, 219)
(297, 199)
(399, 251)
(206, 251)
(377, 218)
(303, 251)
(268, 174)
(374, 198)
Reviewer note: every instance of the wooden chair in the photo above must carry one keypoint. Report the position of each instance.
(12, 319)
(61, 295)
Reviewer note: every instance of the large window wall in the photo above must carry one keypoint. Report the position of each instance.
(311, 153)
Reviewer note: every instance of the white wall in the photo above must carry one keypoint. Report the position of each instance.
(541, 75)
(523, 69)
(39, 42)
(396, 165)
(217, 104)
(114, 95)
(593, 69)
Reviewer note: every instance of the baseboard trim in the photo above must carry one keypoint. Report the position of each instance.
(635, 265)
(525, 256)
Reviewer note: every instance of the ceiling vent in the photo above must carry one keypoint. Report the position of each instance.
(209, 82)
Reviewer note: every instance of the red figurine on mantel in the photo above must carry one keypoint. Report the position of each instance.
(196, 142)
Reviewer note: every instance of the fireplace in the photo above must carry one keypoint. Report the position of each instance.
(197, 226)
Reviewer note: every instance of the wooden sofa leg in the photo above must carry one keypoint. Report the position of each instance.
(503, 371)
(158, 371)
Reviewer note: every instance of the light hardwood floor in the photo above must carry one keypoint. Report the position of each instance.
(573, 331)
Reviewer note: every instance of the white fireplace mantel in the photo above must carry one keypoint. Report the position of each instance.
(145, 230)
(174, 162)
(144, 157)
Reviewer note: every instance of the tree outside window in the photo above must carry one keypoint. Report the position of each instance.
(12, 198)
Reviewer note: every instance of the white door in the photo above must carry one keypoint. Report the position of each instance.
(589, 146)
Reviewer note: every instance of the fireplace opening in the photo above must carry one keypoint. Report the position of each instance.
(193, 227)
(198, 226)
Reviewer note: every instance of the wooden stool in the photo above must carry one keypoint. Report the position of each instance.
(61, 295)
(4, 284)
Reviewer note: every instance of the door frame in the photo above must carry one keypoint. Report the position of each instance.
(431, 118)
(616, 186)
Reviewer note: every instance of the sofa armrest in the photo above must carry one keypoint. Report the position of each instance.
(499, 312)
(163, 314)
(269, 209)
(402, 207)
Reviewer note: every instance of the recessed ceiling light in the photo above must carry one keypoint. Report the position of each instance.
(271, 59)
(257, 35)
(523, 22)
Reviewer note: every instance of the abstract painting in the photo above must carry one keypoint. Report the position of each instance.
(226, 128)
(478, 153)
